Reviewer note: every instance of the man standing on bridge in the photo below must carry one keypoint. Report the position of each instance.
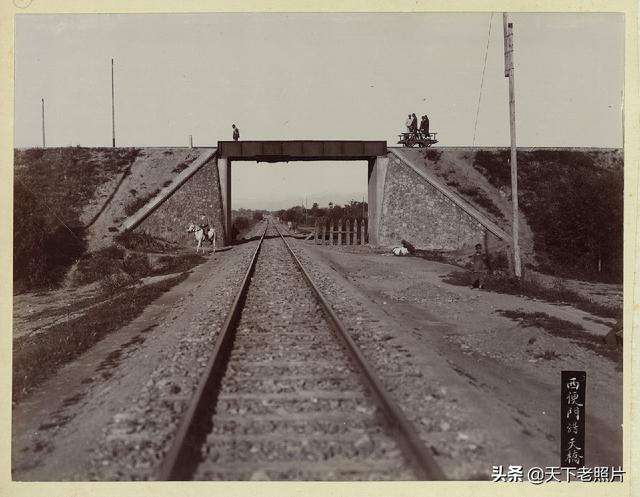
(424, 125)
(236, 133)
(414, 123)
(408, 122)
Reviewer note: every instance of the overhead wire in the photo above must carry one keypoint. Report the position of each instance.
(486, 52)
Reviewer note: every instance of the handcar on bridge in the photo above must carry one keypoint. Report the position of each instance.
(417, 139)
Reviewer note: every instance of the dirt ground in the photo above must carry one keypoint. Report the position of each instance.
(59, 426)
(34, 313)
(502, 374)
(499, 375)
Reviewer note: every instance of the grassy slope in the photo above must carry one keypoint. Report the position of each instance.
(56, 192)
(60, 191)
(65, 179)
(52, 188)
(571, 200)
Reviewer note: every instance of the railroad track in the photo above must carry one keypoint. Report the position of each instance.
(287, 394)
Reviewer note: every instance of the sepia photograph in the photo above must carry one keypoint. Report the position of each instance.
(318, 246)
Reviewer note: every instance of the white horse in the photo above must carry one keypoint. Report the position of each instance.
(200, 236)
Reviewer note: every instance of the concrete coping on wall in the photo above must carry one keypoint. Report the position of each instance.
(139, 216)
(454, 197)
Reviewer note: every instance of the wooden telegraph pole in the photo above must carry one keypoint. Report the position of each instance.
(508, 73)
(113, 112)
(43, 140)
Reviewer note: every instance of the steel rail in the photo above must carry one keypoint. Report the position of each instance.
(424, 464)
(185, 445)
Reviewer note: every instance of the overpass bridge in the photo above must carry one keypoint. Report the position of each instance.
(374, 152)
(405, 200)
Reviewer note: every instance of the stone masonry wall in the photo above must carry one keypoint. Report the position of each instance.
(201, 193)
(416, 211)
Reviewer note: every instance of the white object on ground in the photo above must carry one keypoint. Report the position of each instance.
(400, 251)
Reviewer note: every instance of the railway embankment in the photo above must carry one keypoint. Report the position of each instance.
(571, 202)
(89, 279)
(69, 202)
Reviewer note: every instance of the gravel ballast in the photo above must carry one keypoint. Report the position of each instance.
(441, 424)
(291, 405)
(135, 441)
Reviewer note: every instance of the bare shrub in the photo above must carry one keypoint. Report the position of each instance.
(115, 282)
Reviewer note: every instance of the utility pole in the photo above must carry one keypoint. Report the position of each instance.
(622, 104)
(113, 112)
(508, 73)
(43, 140)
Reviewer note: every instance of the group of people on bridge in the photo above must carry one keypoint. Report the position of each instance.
(412, 124)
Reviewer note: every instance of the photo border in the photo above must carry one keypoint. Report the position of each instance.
(10, 8)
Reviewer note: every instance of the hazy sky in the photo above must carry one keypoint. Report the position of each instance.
(315, 76)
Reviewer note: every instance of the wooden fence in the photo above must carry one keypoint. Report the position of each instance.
(341, 232)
